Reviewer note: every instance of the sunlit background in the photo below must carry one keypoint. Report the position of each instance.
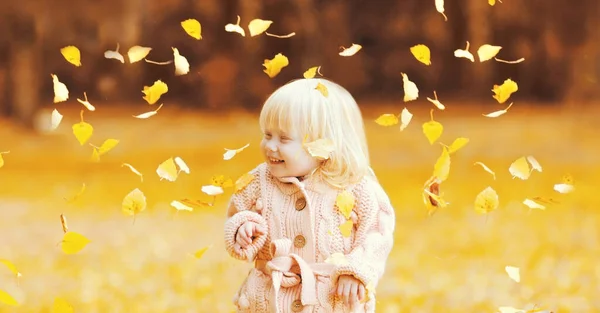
(451, 261)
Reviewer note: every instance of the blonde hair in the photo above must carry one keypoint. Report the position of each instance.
(299, 109)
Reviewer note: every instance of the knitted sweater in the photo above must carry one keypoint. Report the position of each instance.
(290, 273)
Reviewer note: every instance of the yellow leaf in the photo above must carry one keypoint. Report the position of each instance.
(110, 54)
(212, 190)
(137, 53)
(499, 112)
(485, 168)
(61, 93)
(219, 180)
(535, 165)
(510, 62)
(134, 170)
(322, 89)
(432, 129)
(148, 114)
(439, 6)
(441, 169)
(345, 203)
(520, 168)
(436, 102)
(107, 145)
(292, 34)
(180, 206)
(167, 170)
(73, 242)
(82, 130)
(258, 26)
(61, 306)
(487, 52)
(7, 299)
(95, 155)
(503, 92)
(457, 144)
(312, 72)
(243, 181)
(464, 53)
(337, 259)
(182, 166)
(72, 55)
(55, 119)
(154, 92)
(2, 159)
(195, 203)
(564, 188)
(193, 28)
(320, 148)
(411, 92)
(387, 119)
(486, 201)
(134, 202)
(533, 205)
(86, 103)
(513, 273)
(405, 118)
(72, 199)
(346, 228)
(230, 153)
(350, 51)
(11, 267)
(421, 53)
(198, 254)
(235, 28)
(273, 67)
(182, 66)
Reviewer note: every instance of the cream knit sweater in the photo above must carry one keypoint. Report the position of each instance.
(290, 273)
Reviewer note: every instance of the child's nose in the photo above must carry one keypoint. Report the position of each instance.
(272, 146)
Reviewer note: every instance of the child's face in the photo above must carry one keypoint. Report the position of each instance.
(285, 155)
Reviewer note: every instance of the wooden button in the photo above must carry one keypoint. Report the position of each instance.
(297, 306)
(299, 241)
(300, 204)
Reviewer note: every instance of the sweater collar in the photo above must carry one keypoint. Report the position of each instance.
(291, 185)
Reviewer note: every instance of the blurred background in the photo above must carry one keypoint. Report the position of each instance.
(452, 261)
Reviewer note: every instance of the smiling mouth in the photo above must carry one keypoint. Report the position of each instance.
(275, 161)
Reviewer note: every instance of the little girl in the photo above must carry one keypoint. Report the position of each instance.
(311, 253)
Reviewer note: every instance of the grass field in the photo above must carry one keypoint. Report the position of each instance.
(450, 262)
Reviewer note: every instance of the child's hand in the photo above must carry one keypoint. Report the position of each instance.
(247, 232)
(350, 290)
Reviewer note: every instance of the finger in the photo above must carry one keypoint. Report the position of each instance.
(353, 293)
(346, 293)
(259, 230)
(361, 293)
(340, 290)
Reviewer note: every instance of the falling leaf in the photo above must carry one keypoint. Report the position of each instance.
(487, 169)
(73, 242)
(464, 53)
(230, 153)
(486, 201)
(312, 72)
(513, 273)
(198, 254)
(405, 118)
(345, 203)
(520, 169)
(387, 119)
(61, 306)
(487, 52)
(73, 198)
(292, 34)
(63, 223)
(243, 181)
(134, 170)
(195, 203)
(56, 118)
(350, 51)
(154, 92)
(258, 26)
(346, 228)
(107, 145)
(411, 92)
(432, 129)
(546, 200)
(533, 205)
(439, 6)
(273, 67)
(436, 102)
(72, 55)
(421, 53)
(158, 63)
(2, 159)
(219, 180)
(116, 55)
(320, 148)
(61, 93)
(235, 28)
(180, 206)
(212, 190)
(134, 202)
(182, 66)
(322, 89)
(86, 103)
(564, 188)
(7, 299)
(82, 130)
(11, 267)
(457, 144)
(510, 62)
(441, 169)
(499, 112)
(137, 53)
(535, 165)
(148, 114)
(182, 166)
(167, 170)
(337, 259)
(503, 92)
(193, 28)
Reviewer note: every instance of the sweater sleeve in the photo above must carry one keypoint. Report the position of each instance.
(373, 238)
(240, 210)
